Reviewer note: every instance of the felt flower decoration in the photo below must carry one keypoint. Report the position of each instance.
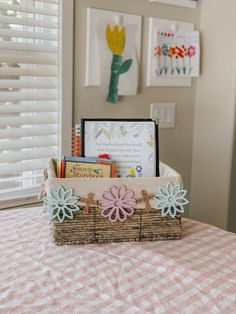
(170, 199)
(117, 203)
(61, 203)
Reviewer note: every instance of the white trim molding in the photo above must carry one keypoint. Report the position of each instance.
(66, 77)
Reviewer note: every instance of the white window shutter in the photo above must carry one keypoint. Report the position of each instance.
(29, 94)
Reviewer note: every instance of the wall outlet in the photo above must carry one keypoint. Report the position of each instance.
(164, 113)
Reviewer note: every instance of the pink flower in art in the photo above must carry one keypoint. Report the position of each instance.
(191, 51)
(117, 203)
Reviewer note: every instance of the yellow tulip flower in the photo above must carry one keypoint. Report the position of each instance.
(115, 39)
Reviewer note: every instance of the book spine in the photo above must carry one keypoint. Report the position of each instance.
(75, 145)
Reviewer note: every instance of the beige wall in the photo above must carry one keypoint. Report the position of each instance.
(214, 114)
(175, 144)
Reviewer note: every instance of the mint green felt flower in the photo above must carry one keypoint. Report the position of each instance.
(170, 199)
(61, 203)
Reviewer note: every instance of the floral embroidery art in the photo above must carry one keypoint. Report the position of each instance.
(117, 204)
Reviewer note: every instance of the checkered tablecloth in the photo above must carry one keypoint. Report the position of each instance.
(196, 274)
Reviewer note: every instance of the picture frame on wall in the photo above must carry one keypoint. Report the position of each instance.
(183, 3)
(132, 143)
(164, 26)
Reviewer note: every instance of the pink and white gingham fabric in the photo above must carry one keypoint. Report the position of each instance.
(196, 274)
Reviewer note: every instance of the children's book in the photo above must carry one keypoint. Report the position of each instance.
(84, 167)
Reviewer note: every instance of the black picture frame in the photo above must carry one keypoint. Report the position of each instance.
(83, 126)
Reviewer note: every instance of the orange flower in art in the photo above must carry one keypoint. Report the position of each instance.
(157, 51)
(171, 52)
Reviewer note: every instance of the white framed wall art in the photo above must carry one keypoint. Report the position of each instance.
(102, 28)
(157, 73)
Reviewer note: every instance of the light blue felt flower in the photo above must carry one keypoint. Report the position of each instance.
(61, 203)
(170, 199)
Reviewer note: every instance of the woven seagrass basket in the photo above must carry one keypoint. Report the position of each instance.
(86, 225)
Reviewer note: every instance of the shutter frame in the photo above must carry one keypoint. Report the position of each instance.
(29, 87)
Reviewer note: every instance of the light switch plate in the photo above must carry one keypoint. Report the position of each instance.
(164, 113)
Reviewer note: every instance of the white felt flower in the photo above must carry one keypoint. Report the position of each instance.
(171, 199)
(61, 203)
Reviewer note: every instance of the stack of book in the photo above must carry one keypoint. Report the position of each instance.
(85, 167)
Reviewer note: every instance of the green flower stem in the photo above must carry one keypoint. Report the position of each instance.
(117, 68)
(114, 79)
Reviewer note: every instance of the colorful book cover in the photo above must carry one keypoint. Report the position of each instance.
(86, 170)
(90, 167)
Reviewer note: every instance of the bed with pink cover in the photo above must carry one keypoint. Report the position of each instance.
(196, 274)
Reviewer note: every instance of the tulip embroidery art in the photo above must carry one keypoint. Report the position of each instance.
(116, 41)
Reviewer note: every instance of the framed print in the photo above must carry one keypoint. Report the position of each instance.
(113, 39)
(166, 55)
(132, 143)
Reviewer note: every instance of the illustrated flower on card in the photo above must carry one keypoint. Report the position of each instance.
(170, 199)
(61, 203)
(117, 203)
(139, 168)
(131, 173)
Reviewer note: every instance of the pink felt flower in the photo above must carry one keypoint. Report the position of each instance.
(117, 203)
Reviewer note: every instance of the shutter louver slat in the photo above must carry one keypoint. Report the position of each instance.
(18, 96)
(28, 58)
(28, 154)
(21, 8)
(37, 72)
(22, 34)
(29, 120)
(27, 47)
(28, 143)
(29, 94)
(21, 167)
(20, 178)
(29, 131)
(27, 22)
(45, 107)
(45, 84)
